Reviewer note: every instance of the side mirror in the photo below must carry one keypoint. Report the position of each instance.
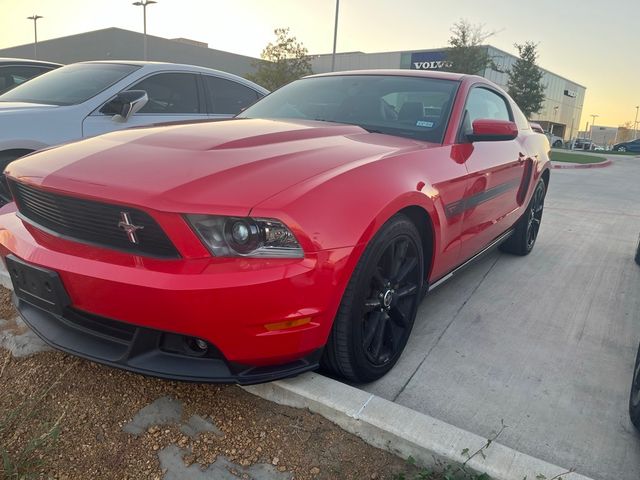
(490, 130)
(125, 104)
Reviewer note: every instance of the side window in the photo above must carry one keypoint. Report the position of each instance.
(483, 103)
(170, 93)
(229, 97)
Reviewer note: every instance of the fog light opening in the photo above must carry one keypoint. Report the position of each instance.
(196, 346)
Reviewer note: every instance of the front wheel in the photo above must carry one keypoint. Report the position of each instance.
(524, 237)
(379, 305)
(622, 149)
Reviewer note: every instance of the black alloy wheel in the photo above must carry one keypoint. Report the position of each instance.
(379, 305)
(634, 397)
(526, 229)
(393, 295)
(535, 215)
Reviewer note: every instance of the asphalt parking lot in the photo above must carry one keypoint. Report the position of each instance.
(546, 342)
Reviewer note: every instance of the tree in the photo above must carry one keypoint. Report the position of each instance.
(525, 80)
(285, 60)
(467, 52)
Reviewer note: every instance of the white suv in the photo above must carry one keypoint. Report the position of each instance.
(90, 98)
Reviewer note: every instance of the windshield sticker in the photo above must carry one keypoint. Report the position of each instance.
(422, 123)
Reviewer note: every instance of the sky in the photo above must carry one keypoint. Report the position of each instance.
(591, 42)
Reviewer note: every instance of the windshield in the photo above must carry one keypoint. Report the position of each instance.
(411, 107)
(69, 85)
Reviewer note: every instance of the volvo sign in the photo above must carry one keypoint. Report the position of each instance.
(429, 61)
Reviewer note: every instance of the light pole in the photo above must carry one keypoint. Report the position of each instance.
(593, 123)
(144, 4)
(35, 18)
(635, 124)
(335, 37)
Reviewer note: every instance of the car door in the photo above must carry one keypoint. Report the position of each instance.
(226, 98)
(173, 97)
(495, 173)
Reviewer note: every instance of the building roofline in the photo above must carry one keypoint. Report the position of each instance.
(439, 50)
(41, 42)
(541, 68)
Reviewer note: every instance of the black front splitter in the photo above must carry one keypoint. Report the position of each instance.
(138, 349)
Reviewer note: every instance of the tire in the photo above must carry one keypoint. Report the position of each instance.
(557, 144)
(524, 237)
(622, 149)
(634, 396)
(638, 253)
(379, 305)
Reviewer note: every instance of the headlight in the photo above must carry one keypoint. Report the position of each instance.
(245, 237)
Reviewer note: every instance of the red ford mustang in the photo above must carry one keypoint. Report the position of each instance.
(303, 233)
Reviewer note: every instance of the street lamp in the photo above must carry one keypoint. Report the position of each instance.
(593, 122)
(144, 4)
(335, 37)
(35, 18)
(635, 124)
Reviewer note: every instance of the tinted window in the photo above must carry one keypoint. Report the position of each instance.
(170, 93)
(483, 103)
(414, 107)
(227, 96)
(11, 76)
(69, 85)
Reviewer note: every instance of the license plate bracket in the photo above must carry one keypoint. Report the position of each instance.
(38, 286)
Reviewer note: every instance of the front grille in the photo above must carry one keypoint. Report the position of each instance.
(91, 222)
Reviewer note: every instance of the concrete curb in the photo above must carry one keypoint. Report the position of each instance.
(402, 431)
(565, 165)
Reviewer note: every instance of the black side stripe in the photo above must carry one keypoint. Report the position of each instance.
(460, 206)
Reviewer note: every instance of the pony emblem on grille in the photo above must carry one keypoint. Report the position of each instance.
(129, 228)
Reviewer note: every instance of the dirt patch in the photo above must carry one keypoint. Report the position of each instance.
(7, 310)
(94, 403)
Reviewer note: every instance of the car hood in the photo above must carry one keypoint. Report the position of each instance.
(220, 167)
(12, 107)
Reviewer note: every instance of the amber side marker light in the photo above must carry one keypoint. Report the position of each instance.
(287, 324)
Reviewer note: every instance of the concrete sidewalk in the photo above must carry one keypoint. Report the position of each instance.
(546, 342)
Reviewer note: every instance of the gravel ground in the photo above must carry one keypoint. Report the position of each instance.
(93, 403)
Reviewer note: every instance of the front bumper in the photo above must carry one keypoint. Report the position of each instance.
(225, 301)
(144, 350)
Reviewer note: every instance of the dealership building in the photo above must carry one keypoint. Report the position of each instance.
(560, 112)
(564, 98)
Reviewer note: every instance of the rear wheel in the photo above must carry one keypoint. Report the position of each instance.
(379, 306)
(524, 237)
(634, 397)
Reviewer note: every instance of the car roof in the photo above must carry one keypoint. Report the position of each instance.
(151, 67)
(27, 62)
(400, 73)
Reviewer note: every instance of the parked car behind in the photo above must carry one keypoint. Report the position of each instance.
(632, 146)
(90, 98)
(15, 71)
(634, 397)
(304, 232)
(577, 144)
